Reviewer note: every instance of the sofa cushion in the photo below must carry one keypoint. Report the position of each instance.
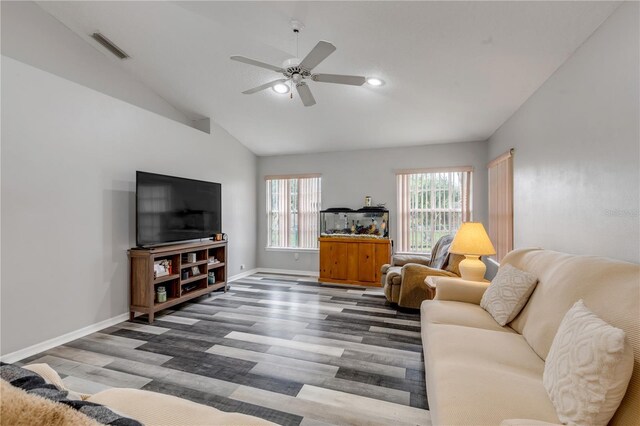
(610, 288)
(458, 313)
(158, 409)
(508, 293)
(481, 377)
(588, 368)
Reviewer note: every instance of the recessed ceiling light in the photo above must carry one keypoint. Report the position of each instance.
(372, 81)
(281, 88)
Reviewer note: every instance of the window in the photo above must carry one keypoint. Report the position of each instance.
(501, 204)
(293, 203)
(431, 203)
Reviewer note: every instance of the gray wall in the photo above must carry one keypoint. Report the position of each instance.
(31, 35)
(577, 141)
(348, 176)
(69, 156)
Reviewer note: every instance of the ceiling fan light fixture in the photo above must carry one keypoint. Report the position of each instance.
(375, 82)
(281, 88)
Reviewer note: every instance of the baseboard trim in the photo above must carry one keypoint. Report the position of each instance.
(272, 271)
(61, 340)
(85, 331)
(242, 275)
(288, 272)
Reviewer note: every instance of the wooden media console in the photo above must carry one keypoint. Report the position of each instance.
(182, 282)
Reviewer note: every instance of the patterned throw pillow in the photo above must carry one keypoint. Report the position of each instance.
(508, 293)
(588, 368)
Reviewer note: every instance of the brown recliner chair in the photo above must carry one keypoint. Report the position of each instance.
(403, 279)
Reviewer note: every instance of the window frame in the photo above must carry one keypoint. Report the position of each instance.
(302, 215)
(404, 199)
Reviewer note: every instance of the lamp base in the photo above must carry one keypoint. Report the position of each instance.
(472, 268)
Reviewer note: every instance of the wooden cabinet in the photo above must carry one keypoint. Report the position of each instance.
(338, 265)
(353, 260)
(366, 262)
(186, 279)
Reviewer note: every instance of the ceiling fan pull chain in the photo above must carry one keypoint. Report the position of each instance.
(296, 31)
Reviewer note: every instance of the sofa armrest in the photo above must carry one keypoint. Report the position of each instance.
(412, 287)
(420, 272)
(403, 259)
(385, 268)
(527, 422)
(459, 290)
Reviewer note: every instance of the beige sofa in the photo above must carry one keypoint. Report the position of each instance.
(151, 408)
(479, 373)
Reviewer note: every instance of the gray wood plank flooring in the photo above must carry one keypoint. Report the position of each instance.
(281, 347)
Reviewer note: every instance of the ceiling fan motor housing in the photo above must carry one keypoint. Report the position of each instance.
(294, 71)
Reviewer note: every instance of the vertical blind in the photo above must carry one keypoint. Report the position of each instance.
(431, 203)
(501, 204)
(293, 205)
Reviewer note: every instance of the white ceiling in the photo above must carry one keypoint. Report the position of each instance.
(455, 71)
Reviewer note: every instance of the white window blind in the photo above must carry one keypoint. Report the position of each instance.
(431, 203)
(501, 204)
(293, 206)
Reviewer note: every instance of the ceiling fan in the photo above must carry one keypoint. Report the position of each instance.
(297, 72)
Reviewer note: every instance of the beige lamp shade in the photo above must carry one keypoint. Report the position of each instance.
(472, 239)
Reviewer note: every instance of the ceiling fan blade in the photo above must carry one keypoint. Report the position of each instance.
(317, 55)
(264, 86)
(256, 63)
(353, 80)
(305, 94)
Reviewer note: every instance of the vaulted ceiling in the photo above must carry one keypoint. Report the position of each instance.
(454, 71)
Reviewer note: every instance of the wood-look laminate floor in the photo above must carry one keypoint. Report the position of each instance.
(281, 347)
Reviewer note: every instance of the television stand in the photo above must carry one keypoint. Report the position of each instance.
(181, 282)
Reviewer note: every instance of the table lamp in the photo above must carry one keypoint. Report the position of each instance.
(472, 241)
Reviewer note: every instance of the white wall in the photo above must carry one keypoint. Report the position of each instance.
(33, 36)
(347, 177)
(69, 156)
(577, 142)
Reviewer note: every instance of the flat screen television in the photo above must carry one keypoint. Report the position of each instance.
(170, 209)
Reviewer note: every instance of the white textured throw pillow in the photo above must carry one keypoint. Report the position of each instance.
(508, 293)
(588, 368)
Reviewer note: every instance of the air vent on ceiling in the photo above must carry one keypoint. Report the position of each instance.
(108, 44)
